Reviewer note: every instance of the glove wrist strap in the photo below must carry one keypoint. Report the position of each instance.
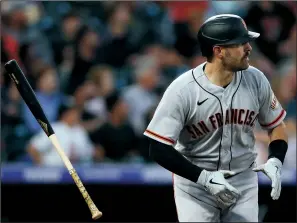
(275, 161)
(278, 149)
(203, 177)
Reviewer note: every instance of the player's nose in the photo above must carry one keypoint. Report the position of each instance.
(247, 46)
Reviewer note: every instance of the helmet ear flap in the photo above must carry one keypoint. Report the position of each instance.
(207, 50)
(205, 47)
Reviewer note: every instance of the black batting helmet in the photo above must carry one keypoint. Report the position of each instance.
(223, 30)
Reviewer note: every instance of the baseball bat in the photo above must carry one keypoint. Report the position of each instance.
(27, 93)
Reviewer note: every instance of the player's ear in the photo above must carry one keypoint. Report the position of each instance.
(218, 52)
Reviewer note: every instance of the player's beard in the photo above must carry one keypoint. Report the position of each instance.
(234, 64)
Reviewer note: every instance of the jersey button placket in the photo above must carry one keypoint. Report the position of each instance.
(225, 100)
(226, 134)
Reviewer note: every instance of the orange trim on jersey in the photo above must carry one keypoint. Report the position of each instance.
(161, 137)
(275, 121)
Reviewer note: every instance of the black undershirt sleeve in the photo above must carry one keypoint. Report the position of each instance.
(169, 158)
(278, 149)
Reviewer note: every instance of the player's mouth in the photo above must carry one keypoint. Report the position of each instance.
(246, 57)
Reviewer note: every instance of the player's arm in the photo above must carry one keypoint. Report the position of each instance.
(163, 131)
(278, 142)
(169, 158)
(271, 117)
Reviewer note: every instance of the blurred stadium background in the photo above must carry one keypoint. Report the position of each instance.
(99, 70)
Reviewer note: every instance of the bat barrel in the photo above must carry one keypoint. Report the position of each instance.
(27, 93)
(12, 67)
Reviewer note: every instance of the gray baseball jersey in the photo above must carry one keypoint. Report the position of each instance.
(213, 126)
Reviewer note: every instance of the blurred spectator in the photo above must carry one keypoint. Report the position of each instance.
(11, 103)
(116, 46)
(65, 37)
(103, 78)
(274, 20)
(229, 7)
(140, 96)
(86, 46)
(49, 97)
(66, 66)
(284, 87)
(186, 34)
(153, 24)
(14, 21)
(11, 117)
(116, 137)
(163, 24)
(196, 60)
(22, 40)
(173, 65)
(72, 137)
(63, 44)
(82, 95)
(288, 47)
(156, 50)
(170, 62)
(180, 10)
(4, 59)
(35, 44)
(21, 35)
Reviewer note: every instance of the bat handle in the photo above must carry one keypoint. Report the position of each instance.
(94, 210)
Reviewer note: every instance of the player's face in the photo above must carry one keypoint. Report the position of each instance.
(236, 57)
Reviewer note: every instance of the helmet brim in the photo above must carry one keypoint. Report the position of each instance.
(253, 35)
(250, 36)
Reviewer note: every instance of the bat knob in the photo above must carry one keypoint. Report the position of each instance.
(97, 215)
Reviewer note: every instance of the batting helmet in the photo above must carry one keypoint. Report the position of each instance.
(223, 30)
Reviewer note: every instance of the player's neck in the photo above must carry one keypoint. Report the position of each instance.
(217, 74)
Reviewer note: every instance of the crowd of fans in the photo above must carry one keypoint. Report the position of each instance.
(99, 70)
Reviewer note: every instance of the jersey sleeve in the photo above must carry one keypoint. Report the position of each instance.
(271, 111)
(169, 118)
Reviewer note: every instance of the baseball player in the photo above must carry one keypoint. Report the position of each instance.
(202, 129)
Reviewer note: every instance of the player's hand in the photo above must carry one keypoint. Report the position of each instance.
(272, 169)
(215, 183)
